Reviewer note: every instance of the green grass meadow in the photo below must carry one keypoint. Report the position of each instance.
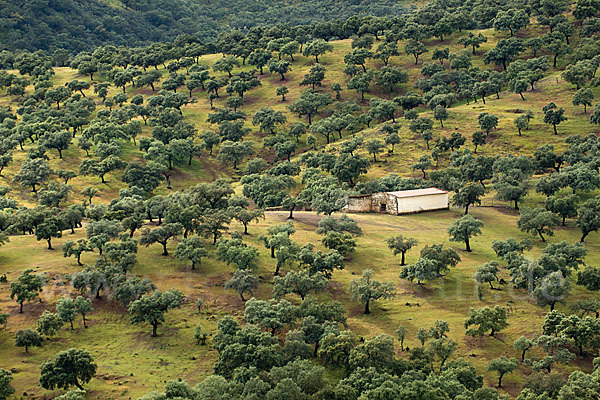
(131, 362)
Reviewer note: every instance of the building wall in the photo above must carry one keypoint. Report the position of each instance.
(358, 204)
(386, 203)
(422, 203)
(376, 202)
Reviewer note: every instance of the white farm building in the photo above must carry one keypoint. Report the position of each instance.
(400, 202)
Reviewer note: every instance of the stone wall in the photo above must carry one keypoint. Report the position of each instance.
(359, 204)
(390, 204)
(384, 203)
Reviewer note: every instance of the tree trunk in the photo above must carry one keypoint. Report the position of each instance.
(367, 311)
(402, 262)
(154, 328)
(50, 244)
(165, 252)
(468, 244)
(541, 236)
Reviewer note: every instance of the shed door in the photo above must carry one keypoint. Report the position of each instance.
(383, 207)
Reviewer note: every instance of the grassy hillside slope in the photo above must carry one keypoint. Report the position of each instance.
(131, 362)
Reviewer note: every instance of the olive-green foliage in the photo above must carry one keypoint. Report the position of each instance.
(144, 22)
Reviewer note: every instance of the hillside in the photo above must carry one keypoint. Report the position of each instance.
(77, 26)
(144, 162)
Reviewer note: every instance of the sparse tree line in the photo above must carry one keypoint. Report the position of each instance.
(466, 174)
(123, 67)
(173, 140)
(252, 362)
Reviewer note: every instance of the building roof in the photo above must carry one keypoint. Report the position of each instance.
(417, 192)
(407, 193)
